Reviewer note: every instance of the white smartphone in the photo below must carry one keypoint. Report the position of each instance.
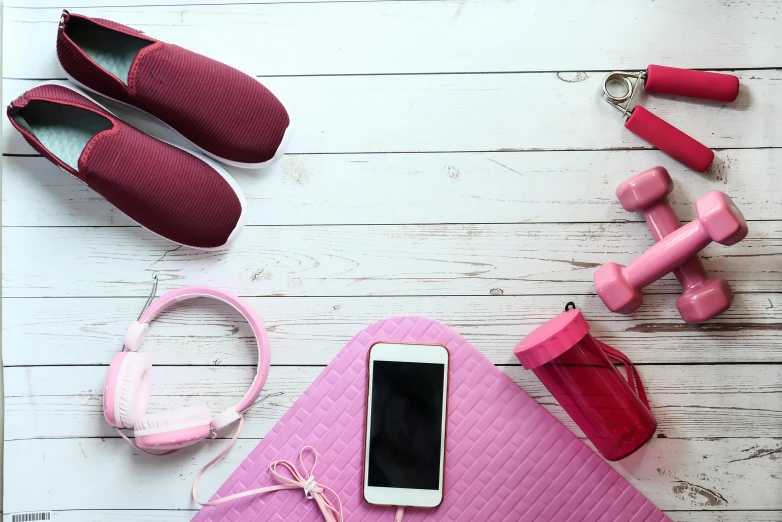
(407, 401)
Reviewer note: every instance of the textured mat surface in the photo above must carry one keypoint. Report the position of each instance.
(507, 458)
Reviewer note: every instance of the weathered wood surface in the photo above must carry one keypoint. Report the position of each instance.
(427, 37)
(451, 159)
(311, 331)
(498, 187)
(510, 259)
(486, 112)
(688, 401)
(726, 473)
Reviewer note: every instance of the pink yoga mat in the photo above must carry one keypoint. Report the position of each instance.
(507, 457)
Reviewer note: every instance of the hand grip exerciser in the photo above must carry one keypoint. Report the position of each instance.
(670, 80)
(579, 372)
(718, 220)
(704, 297)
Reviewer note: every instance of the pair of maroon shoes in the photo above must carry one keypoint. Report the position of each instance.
(182, 195)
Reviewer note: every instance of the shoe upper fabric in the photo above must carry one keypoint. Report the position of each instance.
(220, 109)
(165, 189)
(51, 94)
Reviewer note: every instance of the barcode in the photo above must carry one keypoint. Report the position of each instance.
(32, 517)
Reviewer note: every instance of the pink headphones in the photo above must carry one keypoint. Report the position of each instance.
(126, 394)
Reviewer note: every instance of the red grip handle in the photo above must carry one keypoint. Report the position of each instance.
(669, 139)
(696, 84)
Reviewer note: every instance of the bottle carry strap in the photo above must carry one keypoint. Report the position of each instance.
(633, 377)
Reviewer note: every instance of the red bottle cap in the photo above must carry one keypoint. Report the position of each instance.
(551, 339)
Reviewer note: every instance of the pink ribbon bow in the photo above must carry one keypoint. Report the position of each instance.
(306, 481)
(312, 489)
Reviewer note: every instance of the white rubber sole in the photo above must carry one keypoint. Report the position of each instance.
(286, 138)
(216, 166)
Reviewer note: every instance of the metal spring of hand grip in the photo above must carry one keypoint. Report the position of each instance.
(622, 103)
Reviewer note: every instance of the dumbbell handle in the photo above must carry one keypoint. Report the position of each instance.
(662, 221)
(670, 253)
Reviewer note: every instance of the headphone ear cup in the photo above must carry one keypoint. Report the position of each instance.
(175, 429)
(128, 384)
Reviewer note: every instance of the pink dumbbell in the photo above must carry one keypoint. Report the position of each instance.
(718, 220)
(704, 298)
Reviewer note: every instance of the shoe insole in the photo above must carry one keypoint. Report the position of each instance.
(62, 129)
(111, 50)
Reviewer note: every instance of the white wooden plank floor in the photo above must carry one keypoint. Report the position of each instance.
(451, 159)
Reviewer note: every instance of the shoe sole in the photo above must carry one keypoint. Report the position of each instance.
(286, 138)
(212, 163)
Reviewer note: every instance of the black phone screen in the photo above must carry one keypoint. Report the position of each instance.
(405, 434)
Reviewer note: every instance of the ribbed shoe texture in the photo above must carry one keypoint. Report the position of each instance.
(54, 93)
(165, 189)
(221, 110)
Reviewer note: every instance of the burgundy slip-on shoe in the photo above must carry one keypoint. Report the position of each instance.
(177, 194)
(221, 111)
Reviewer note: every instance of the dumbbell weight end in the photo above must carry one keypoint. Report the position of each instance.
(613, 288)
(704, 301)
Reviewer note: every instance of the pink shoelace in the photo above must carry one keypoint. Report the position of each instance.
(293, 479)
(633, 377)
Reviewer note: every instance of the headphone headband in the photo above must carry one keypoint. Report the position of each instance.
(137, 332)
